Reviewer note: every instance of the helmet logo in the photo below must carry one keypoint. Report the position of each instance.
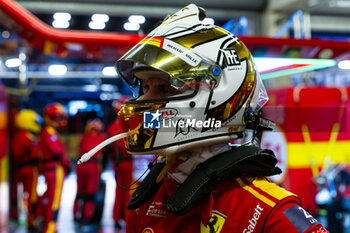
(228, 57)
(168, 113)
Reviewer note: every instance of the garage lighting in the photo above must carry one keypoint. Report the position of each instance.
(57, 69)
(62, 16)
(5, 34)
(60, 24)
(96, 25)
(264, 64)
(278, 67)
(98, 21)
(131, 26)
(139, 19)
(109, 71)
(13, 62)
(100, 18)
(345, 65)
(61, 20)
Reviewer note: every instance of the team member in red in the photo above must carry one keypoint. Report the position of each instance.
(123, 170)
(198, 88)
(54, 163)
(88, 174)
(25, 150)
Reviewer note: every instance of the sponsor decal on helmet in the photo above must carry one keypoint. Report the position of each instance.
(229, 57)
(180, 51)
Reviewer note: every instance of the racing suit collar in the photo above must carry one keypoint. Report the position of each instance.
(196, 156)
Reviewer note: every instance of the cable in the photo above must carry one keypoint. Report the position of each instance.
(150, 165)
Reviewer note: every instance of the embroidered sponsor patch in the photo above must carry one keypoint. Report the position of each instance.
(254, 220)
(215, 224)
(157, 209)
(300, 218)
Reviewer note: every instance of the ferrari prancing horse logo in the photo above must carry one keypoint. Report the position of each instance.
(215, 224)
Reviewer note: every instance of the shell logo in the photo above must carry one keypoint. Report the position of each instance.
(148, 230)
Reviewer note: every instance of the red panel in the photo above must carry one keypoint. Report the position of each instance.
(300, 182)
(317, 107)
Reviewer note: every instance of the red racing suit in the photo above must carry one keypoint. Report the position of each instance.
(123, 173)
(53, 164)
(88, 177)
(26, 153)
(242, 205)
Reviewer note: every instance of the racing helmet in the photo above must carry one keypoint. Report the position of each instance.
(55, 115)
(215, 81)
(29, 120)
(94, 125)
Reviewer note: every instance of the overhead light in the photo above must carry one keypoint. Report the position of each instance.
(109, 71)
(90, 88)
(57, 69)
(277, 67)
(75, 105)
(61, 20)
(98, 21)
(60, 24)
(264, 64)
(345, 65)
(139, 19)
(13, 62)
(62, 16)
(131, 26)
(5, 34)
(208, 21)
(100, 18)
(108, 88)
(97, 25)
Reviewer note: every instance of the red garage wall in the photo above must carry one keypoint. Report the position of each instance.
(314, 123)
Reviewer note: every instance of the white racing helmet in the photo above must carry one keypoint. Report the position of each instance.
(216, 80)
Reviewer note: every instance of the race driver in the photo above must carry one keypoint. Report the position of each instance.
(196, 88)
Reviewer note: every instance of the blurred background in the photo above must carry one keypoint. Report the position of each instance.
(64, 51)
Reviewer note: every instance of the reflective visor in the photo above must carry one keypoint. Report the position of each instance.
(131, 118)
(184, 67)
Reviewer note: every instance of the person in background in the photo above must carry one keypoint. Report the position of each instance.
(196, 88)
(25, 150)
(54, 164)
(123, 169)
(333, 196)
(88, 174)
